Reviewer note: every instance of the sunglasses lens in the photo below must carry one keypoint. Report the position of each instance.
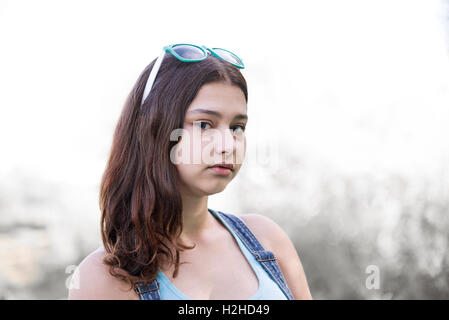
(189, 52)
(228, 56)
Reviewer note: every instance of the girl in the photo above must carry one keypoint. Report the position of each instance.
(179, 139)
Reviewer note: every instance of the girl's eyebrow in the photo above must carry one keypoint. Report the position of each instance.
(217, 114)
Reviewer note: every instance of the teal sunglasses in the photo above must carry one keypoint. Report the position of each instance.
(189, 53)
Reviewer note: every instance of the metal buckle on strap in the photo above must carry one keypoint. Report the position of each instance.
(264, 256)
(141, 288)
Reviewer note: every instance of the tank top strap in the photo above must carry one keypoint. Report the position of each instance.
(265, 257)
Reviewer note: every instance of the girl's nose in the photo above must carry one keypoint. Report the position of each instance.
(225, 142)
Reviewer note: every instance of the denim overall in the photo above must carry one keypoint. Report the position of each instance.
(264, 257)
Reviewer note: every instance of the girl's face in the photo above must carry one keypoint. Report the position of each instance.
(213, 133)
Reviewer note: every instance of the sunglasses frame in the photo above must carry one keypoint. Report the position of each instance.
(205, 51)
(169, 49)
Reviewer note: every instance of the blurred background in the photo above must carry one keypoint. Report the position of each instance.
(348, 145)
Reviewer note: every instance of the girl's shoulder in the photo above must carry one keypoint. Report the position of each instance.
(92, 280)
(264, 229)
(273, 238)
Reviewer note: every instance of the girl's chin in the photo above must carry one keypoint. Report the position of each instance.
(211, 189)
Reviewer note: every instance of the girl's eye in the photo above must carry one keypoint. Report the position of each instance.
(242, 129)
(201, 123)
(239, 128)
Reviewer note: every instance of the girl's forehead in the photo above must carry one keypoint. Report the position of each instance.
(218, 99)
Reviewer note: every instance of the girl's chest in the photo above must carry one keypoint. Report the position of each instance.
(215, 274)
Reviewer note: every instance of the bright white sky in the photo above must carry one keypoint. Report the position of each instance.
(363, 85)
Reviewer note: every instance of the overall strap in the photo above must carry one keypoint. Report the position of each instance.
(149, 291)
(265, 257)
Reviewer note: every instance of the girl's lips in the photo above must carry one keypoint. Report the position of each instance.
(221, 170)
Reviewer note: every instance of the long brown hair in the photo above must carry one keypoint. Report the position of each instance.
(140, 202)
